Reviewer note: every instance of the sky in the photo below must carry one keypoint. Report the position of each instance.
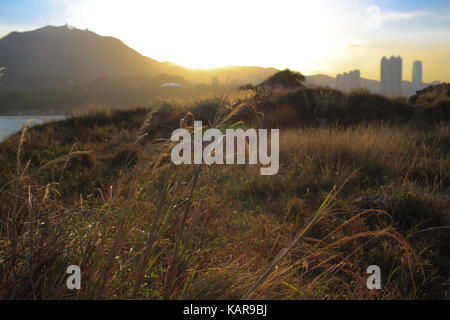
(320, 36)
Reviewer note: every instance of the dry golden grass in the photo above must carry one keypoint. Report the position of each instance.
(146, 229)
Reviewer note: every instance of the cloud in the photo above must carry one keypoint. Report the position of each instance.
(417, 20)
(414, 21)
(402, 16)
(355, 44)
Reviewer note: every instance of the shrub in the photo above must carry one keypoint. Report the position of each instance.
(126, 156)
(365, 107)
(205, 110)
(430, 95)
(439, 111)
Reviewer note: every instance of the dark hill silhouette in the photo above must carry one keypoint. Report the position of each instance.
(430, 95)
(57, 57)
(286, 79)
(63, 57)
(235, 75)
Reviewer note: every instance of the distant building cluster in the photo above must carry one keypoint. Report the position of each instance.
(350, 81)
(391, 83)
(391, 76)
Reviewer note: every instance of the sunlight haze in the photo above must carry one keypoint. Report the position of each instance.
(313, 37)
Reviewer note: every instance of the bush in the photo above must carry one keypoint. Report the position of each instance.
(411, 211)
(330, 104)
(205, 110)
(126, 156)
(430, 95)
(365, 107)
(437, 112)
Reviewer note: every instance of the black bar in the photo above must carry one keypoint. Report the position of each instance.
(221, 309)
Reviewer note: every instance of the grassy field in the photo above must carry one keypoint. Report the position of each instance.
(98, 190)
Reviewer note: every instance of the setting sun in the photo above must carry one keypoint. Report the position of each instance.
(206, 34)
(324, 36)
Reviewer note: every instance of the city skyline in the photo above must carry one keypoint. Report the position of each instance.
(323, 37)
(391, 81)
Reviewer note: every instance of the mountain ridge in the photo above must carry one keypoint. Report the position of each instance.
(59, 57)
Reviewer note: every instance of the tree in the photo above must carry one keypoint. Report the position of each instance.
(286, 79)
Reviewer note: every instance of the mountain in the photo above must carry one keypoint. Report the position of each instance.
(321, 80)
(64, 57)
(57, 57)
(234, 75)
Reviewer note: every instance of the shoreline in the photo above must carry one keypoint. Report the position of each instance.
(11, 124)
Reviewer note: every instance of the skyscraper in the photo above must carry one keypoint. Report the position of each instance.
(385, 77)
(417, 74)
(355, 79)
(396, 76)
(391, 76)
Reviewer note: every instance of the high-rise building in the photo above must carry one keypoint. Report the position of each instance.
(417, 72)
(347, 82)
(355, 79)
(417, 75)
(391, 76)
(385, 77)
(339, 82)
(396, 76)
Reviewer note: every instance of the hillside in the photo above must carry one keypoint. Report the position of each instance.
(99, 190)
(59, 57)
(64, 57)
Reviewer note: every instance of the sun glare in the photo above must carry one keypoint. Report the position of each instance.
(206, 34)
